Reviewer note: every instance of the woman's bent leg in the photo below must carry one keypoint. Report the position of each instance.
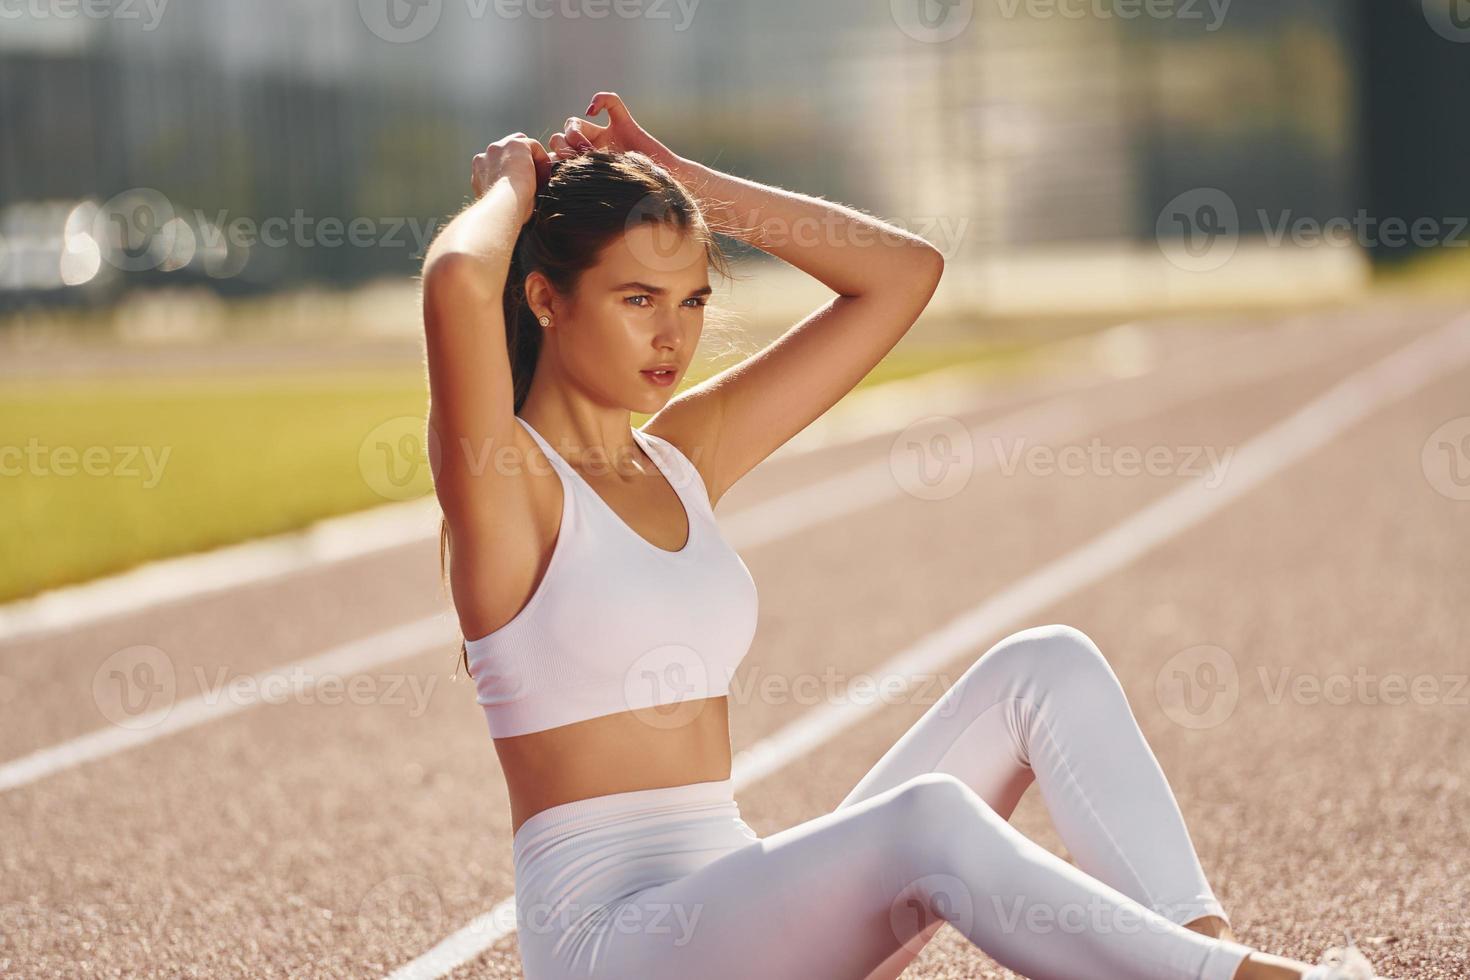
(832, 898)
(1043, 705)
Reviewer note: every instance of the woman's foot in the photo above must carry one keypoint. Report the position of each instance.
(1342, 963)
(1337, 963)
(1266, 966)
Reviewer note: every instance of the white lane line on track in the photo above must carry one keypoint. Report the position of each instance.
(168, 580)
(1306, 430)
(862, 486)
(348, 658)
(1066, 417)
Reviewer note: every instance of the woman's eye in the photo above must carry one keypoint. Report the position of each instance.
(697, 301)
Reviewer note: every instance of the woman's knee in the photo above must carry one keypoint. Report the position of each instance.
(937, 811)
(1056, 654)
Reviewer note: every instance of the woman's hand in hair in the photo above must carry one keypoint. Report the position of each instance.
(518, 158)
(621, 133)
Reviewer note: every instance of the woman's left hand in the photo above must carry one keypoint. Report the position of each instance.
(621, 133)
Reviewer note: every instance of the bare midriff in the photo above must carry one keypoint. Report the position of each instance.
(686, 742)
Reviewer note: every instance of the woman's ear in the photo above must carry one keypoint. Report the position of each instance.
(540, 297)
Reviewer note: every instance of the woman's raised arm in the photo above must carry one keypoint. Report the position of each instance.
(883, 277)
(471, 396)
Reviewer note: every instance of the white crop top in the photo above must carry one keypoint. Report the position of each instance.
(616, 622)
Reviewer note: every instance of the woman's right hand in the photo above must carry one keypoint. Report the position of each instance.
(518, 158)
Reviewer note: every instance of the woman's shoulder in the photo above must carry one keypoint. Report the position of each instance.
(692, 435)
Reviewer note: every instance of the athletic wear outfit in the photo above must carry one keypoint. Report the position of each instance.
(618, 623)
(671, 882)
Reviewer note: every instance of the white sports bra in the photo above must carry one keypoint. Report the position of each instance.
(616, 622)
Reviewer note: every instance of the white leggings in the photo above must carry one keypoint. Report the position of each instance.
(671, 882)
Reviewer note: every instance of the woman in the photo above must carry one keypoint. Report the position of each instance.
(608, 614)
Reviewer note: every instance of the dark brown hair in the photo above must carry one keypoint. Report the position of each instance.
(589, 200)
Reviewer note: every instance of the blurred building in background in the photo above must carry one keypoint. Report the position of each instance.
(256, 146)
(219, 112)
(1415, 86)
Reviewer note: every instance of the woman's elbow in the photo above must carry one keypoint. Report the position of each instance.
(454, 281)
(931, 260)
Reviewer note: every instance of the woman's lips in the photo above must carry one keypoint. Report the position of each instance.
(661, 378)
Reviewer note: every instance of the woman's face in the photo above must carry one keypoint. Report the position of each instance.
(639, 308)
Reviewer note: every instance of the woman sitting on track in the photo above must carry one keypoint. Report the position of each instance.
(608, 615)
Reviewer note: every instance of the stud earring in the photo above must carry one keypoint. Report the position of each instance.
(546, 321)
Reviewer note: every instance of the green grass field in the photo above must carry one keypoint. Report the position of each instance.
(102, 474)
(111, 473)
